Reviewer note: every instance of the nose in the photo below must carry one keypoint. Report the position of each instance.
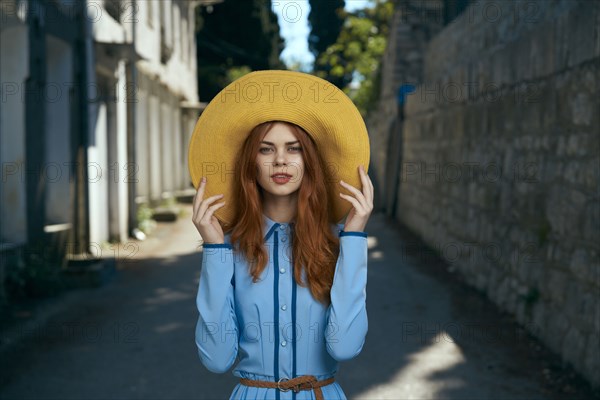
(280, 158)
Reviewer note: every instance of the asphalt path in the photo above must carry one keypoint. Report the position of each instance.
(430, 336)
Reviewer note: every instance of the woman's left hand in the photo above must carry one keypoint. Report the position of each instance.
(362, 203)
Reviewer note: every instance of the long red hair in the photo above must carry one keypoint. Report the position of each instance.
(315, 247)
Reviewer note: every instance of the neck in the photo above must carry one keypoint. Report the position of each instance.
(281, 209)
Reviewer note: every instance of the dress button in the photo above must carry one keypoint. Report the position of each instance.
(283, 239)
(284, 307)
(282, 270)
(282, 227)
(283, 343)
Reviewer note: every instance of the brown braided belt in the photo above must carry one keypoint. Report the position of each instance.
(303, 382)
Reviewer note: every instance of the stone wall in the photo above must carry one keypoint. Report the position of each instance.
(500, 164)
(413, 24)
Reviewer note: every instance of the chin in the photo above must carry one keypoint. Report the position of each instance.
(281, 191)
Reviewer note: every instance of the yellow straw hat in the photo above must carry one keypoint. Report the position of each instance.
(317, 106)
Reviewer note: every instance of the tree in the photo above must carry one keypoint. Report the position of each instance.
(235, 34)
(326, 19)
(357, 53)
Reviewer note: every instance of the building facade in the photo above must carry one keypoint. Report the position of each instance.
(99, 100)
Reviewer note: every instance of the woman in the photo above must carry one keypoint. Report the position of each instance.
(282, 288)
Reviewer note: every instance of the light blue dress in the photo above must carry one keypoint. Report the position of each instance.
(253, 322)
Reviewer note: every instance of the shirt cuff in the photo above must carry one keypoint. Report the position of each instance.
(217, 246)
(352, 233)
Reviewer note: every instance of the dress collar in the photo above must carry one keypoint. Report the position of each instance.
(270, 225)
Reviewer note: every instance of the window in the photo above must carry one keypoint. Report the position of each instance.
(113, 8)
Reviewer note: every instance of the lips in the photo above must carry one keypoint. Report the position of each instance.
(281, 179)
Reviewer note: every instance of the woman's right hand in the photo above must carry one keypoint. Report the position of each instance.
(208, 225)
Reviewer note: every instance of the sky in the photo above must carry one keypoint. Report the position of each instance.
(293, 24)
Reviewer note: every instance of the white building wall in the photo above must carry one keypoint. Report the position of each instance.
(179, 74)
(148, 32)
(189, 122)
(118, 185)
(142, 141)
(97, 182)
(161, 158)
(178, 172)
(109, 170)
(155, 143)
(166, 140)
(162, 150)
(162, 129)
(104, 27)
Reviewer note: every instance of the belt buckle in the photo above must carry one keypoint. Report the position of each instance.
(279, 382)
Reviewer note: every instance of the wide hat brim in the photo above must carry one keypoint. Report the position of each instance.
(317, 106)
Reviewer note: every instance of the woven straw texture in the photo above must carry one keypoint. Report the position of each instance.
(320, 108)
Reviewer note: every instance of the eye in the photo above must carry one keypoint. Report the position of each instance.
(296, 148)
(264, 150)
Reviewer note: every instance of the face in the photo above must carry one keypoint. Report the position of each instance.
(280, 152)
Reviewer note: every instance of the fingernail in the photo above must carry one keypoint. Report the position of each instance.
(203, 179)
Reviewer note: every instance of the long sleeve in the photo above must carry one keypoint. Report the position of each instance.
(217, 330)
(347, 322)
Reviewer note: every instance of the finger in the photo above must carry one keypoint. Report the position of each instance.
(366, 185)
(350, 188)
(205, 204)
(211, 210)
(199, 195)
(355, 203)
(357, 193)
(369, 184)
(372, 188)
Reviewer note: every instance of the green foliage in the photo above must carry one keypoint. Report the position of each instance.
(326, 19)
(297, 66)
(357, 54)
(237, 72)
(170, 201)
(144, 219)
(234, 34)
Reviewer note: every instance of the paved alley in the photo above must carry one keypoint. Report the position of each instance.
(429, 336)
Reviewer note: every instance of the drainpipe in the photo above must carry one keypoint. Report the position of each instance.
(35, 126)
(81, 224)
(131, 95)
